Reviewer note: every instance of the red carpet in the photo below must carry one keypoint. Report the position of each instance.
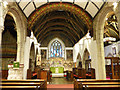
(60, 86)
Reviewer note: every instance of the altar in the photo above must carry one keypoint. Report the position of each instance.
(57, 71)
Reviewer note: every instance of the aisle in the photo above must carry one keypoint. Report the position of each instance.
(60, 83)
(60, 86)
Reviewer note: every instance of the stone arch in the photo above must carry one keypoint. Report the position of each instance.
(86, 59)
(32, 57)
(99, 23)
(21, 29)
(98, 26)
(62, 43)
(9, 42)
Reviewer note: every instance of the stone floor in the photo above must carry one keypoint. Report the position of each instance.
(60, 80)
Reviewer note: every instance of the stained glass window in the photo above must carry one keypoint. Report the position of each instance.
(56, 49)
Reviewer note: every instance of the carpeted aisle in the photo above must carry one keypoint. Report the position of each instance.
(60, 87)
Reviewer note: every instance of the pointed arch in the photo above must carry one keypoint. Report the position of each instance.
(32, 57)
(86, 63)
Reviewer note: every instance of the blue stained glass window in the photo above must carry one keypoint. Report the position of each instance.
(56, 49)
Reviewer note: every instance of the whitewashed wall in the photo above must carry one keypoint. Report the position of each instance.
(91, 46)
(28, 43)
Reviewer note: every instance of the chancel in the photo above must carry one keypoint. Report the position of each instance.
(72, 44)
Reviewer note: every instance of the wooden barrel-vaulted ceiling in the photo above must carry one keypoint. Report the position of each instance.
(68, 21)
(60, 20)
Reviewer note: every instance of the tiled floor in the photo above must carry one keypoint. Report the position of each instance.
(60, 80)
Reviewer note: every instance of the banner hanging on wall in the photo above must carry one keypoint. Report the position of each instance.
(16, 65)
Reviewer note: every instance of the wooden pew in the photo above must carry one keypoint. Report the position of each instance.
(80, 73)
(4, 74)
(85, 83)
(90, 74)
(29, 74)
(69, 75)
(35, 86)
(29, 82)
(100, 85)
(49, 75)
(19, 88)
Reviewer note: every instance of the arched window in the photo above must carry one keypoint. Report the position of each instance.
(56, 49)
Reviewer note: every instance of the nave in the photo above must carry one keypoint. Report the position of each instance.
(59, 43)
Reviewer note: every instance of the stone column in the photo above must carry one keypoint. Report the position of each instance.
(20, 51)
(26, 56)
(101, 72)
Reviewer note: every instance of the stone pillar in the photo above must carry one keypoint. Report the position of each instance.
(20, 52)
(26, 57)
(117, 13)
(101, 72)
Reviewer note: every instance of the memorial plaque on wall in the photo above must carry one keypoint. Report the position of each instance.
(43, 54)
(69, 54)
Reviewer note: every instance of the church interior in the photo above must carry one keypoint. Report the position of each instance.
(72, 44)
